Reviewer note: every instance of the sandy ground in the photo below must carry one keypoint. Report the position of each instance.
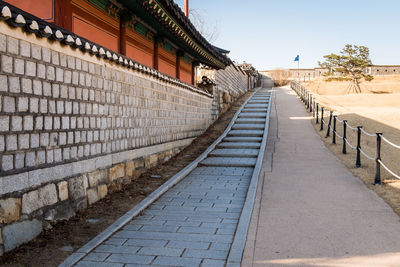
(56, 244)
(379, 85)
(376, 112)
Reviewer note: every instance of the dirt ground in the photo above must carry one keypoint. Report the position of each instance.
(384, 84)
(376, 113)
(56, 244)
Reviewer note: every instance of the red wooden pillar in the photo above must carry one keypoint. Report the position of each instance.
(157, 40)
(179, 55)
(63, 14)
(122, 37)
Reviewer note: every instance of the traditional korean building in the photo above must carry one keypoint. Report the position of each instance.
(155, 33)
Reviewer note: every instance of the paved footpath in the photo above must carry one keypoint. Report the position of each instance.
(195, 222)
(310, 210)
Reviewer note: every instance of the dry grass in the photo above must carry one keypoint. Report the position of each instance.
(376, 113)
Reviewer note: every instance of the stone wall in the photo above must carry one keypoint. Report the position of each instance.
(75, 126)
(230, 82)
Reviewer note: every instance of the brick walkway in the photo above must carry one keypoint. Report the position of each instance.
(194, 223)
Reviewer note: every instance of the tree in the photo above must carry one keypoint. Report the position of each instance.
(210, 33)
(352, 62)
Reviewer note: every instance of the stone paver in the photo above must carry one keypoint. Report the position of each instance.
(194, 222)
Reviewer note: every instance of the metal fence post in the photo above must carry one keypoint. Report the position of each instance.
(322, 119)
(334, 130)
(329, 125)
(308, 100)
(316, 122)
(378, 158)
(344, 137)
(311, 102)
(358, 159)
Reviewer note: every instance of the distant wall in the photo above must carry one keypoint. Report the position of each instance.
(74, 126)
(230, 82)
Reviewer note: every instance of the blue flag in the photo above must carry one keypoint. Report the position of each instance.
(297, 58)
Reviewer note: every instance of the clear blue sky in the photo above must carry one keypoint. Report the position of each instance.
(270, 33)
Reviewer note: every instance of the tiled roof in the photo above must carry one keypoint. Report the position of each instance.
(34, 25)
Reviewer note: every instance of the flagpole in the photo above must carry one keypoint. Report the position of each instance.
(298, 69)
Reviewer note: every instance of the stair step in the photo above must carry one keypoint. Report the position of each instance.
(234, 139)
(229, 162)
(239, 145)
(246, 133)
(235, 152)
(242, 126)
(250, 120)
(253, 115)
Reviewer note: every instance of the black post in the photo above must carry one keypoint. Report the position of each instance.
(311, 102)
(358, 159)
(308, 100)
(329, 125)
(378, 158)
(313, 110)
(334, 130)
(322, 119)
(344, 137)
(316, 122)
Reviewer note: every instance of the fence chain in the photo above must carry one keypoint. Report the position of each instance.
(350, 145)
(351, 128)
(389, 171)
(366, 155)
(367, 133)
(390, 143)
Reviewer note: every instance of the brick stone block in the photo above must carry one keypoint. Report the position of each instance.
(23, 104)
(14, 85)
(11, 142)
(34, 105)
(6, 64)
(4, 123)
(50, 73)
(24, 48)
(46, 55)
(7, 162)
(151, 160)
(30, 159)
(41, 71)
(41, 157)
(62, 190)
(35, 140)
(129, 168)
(77, 187)
(102, 191)
(56, 90)
(36, 52)
(16, 123)
(118, 171)
(30, 69)
(3, 83)
(46, 89)
(37, 87)
(59, 75)
(98, 177)
(19, 233)
(23, 141)
(2, 143)
(19, 66)
(55, 58)
(92, 195)
(9, 210)
(30, 202)
(12, 45)
(47, 195)
(8, 104)
(19, 160)
(28, 123)
(3, 43)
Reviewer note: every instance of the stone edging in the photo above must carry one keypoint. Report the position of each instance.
(239, 241)
(135, 211)
(17, 182)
